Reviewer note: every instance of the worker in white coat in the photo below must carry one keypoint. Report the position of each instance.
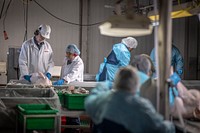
(36, 54)
(73, 67)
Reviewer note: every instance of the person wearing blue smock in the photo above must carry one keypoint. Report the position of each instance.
(118, 57)
(120, 110)
(176, 60)
(148, 86)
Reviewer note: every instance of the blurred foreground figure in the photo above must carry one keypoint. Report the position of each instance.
(120, 110)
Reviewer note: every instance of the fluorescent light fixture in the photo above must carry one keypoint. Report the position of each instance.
(180, 10)
(155, 23)
(126, 25)
(175, 14)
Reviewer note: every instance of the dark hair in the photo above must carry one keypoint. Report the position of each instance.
(37, 31)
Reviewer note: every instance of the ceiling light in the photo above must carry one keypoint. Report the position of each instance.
(124, 25)
(180, 10)
(129, 24)
(155, 23)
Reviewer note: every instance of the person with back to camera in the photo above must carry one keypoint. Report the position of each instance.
(118, 57)
(36, 54)
(176, 60)
(148, 88)
(120, 110)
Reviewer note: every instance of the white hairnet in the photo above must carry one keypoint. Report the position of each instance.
(45, 30)
(72, 48)
(130, 42)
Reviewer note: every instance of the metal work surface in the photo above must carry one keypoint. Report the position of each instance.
(71, 113)
(24, 84)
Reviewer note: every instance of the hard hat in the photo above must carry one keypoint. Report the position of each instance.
(72, 48)
(130, 42)
(45, 30)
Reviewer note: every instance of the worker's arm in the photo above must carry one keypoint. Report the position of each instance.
(95, 99)
(155, 121)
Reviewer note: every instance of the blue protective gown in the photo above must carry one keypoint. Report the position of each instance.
(119, 57)
(135, 114)
(176, 60)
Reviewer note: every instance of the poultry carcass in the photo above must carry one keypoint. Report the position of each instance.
(40, 79)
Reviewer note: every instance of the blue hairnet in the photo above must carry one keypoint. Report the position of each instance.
(72, 48)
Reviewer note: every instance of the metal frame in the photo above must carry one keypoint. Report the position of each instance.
(190, 126)
(71, 113)
(56, 124)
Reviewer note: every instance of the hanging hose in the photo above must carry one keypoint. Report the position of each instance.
(4, 19)
(2, 9)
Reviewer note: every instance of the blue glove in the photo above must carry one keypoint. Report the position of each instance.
(175, 78)
(48, 75)
(27, 77)
(59, 82)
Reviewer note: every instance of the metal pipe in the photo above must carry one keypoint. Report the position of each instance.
(164, 53)
(156, 47)
(80, 22)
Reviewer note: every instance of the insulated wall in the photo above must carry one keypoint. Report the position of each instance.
(94, 47)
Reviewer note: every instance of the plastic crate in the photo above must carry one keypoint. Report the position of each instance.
(61, 97)
(74, 101)
(37, 122)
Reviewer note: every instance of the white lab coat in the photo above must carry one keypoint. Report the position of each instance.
(32, 60)
(73, 71)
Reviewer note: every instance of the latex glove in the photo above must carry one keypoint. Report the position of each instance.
(59, 82)
(48, 75)
(175, 78)
(27, 77)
